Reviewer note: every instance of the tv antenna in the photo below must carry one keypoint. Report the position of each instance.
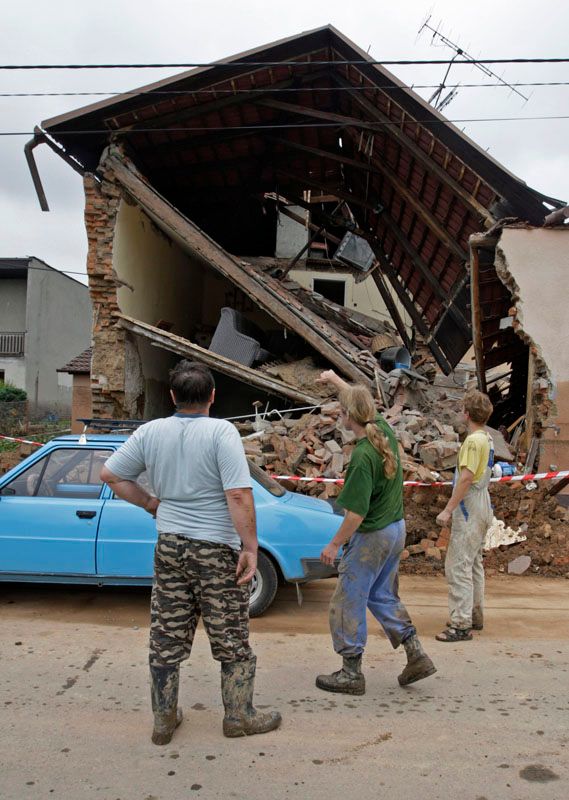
(460, 56)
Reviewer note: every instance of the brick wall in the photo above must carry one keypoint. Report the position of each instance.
(102, 202)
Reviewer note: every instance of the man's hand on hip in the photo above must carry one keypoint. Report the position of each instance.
(246, 567)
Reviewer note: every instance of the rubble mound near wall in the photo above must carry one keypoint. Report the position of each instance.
(314, 446)
(542, 520)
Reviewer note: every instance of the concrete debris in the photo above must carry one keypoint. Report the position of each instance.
(519, 565)
(499, 534)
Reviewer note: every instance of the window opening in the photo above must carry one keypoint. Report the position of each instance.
(331, 290)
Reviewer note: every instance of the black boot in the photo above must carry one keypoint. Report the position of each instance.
(419, 665)
(164, 693)
(241, 716)
(348, 680)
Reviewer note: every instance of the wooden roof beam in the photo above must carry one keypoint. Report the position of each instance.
(420, 209)
(310, 181)
(432, 166)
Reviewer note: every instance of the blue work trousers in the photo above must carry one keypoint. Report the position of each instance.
(368, 577)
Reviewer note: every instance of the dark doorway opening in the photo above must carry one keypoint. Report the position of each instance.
(331, 290)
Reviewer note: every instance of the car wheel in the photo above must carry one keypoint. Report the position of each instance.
(263, 586)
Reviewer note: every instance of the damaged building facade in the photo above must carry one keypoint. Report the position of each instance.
(188, 182)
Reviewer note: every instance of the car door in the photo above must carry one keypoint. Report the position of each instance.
(126, 539)
(50, 512)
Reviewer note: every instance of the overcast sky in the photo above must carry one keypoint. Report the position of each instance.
(67, 31)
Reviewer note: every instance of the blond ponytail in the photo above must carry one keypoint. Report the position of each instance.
(381, 443)
(359, 406)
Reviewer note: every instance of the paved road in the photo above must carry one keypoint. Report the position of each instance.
(491, 724)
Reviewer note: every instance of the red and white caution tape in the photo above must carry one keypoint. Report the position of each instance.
(22, 441)
(536, 476)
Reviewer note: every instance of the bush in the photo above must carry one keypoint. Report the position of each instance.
(11, 394)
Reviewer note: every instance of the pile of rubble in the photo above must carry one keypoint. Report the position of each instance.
(526, 509)
(428, 423)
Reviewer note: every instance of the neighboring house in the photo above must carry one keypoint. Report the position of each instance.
(45, 319)
(80, 370)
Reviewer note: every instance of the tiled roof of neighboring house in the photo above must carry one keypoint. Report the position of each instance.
(79, 365)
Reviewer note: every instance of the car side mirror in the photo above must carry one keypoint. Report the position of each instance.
(8, 491)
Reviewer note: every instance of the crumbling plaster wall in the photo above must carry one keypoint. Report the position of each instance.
(534, 264)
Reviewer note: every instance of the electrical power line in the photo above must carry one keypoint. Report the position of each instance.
(315, 63)
(276, 126)
(278, 90)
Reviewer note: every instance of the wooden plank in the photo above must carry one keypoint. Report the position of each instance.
(316, 151)
(477, 318)
(263, 289)
(309, 180)
(417, 151)
(530, 407)
(409, 306)
(557, 487)
(393, 310)
(317, 113)
(183, 347)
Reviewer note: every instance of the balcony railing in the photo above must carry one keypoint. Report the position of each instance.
(12, 343)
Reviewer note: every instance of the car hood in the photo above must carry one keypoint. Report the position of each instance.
(312, 503)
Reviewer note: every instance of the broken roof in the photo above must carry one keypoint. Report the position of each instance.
(215, 140)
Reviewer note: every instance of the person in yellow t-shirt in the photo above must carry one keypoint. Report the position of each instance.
(470, 510)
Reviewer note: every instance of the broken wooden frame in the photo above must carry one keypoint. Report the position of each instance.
(183, 347)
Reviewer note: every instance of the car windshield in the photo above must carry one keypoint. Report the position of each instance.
(266, 482)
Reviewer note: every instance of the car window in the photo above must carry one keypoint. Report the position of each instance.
(266, 482)
(66, 472)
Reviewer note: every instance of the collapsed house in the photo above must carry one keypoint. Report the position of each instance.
(188, 179)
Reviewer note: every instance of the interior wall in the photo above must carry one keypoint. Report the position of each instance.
(537, 259)
(167, 286)
(166, 283)
(363, 297)
(220, 292)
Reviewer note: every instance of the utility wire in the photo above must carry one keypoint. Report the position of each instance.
(315, 63)
(276, 126)
(279, 90)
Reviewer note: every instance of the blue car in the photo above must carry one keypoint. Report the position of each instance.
(60, 523)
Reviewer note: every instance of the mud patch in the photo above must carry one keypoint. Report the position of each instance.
(67, 685)
(536, 773)
(92, 659)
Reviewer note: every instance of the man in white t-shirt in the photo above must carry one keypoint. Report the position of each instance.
(206, 553)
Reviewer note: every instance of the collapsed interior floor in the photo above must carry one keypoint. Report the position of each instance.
(164, 286)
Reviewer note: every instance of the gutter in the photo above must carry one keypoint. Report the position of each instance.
(41, 137)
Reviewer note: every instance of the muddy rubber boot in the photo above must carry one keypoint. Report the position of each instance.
(241, 716)
(348, 680)
(419, 665)
(164, 692)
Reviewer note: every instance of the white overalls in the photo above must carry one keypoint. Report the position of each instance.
(463, 565)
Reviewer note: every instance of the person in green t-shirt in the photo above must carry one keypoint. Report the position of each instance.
(372, 536)
(470, 511)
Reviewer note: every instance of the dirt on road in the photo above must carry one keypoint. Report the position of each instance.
(491, 724)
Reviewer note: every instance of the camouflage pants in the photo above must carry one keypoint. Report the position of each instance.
(194, 578)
